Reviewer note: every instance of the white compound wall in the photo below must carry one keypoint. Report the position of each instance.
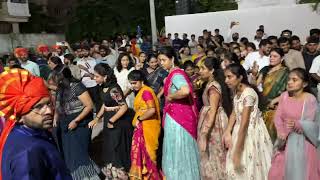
(298, 18)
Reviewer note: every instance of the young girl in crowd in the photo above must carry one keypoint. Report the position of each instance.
(297, 121)
(117, 129)
(246, 137)
(124, 66)
(145, 141)
(212, 122)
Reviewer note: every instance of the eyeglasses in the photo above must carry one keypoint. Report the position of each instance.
(41, 108)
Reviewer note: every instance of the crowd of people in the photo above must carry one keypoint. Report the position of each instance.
(211, 108)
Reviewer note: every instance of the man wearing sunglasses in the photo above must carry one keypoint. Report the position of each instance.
(27, 149)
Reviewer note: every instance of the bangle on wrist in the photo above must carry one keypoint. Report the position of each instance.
(110, 122)
(139, 118)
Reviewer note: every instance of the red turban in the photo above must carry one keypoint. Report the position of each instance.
(18, 52)
(42, 48)
(19, 92)
(55, 47)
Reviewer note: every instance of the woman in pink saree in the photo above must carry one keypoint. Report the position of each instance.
(147, 130)
(180, 152)
(297, 122)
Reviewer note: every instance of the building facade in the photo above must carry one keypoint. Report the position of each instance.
(13, 12)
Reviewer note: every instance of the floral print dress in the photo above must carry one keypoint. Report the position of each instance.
(213, 160)
(257, 150)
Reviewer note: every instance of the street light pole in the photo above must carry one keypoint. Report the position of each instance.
(153, 22)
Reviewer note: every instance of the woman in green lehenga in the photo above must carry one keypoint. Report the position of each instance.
(273, 79)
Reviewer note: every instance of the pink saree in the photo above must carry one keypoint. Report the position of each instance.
(183, 111)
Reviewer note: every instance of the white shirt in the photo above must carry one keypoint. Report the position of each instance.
(62, 58)
(32, 67)
(315, 67)
(193, 46)
(88, 63)
(122, 80)
(261, 61)
(256, 43)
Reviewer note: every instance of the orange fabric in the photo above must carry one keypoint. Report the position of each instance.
(42, 48)
(150, 129)
(19, 92)
(18, 52)
(55, 47)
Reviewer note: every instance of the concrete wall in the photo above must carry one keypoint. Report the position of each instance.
(298, 18)
(10, 41)
(245, 4)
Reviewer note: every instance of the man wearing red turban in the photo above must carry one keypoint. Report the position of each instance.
(22, 55)
(27, 150)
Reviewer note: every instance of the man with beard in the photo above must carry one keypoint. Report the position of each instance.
(107, 56)
(258, 59)
(258, 37)
(296, 43)
(42, 60)
(58, 51)
(309, 55)
(27, 149)
(22, 55)
(75, 70)
(292, 58)
(87, 64)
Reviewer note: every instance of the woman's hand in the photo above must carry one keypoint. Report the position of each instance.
(290, 124)
(169, 98)
(116, 108)
(236, 159)
(255, 69)
(137, 123)
(55, 122)
(72, 125)
(110, 126)
(227, 140)
(93, 123)
(202, 143)
(272, 104)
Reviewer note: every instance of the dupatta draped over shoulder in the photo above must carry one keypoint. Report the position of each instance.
(183, 111)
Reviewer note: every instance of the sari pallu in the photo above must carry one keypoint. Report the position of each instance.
(153, 79)
(183, 111)
(198, 59)
(273, 85)
(145, 138)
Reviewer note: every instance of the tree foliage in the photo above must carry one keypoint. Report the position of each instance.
(38, 22)
(217, 5)
(103, 18)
